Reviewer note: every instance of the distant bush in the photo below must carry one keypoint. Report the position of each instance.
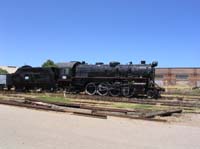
(2, 71)
(49, 63)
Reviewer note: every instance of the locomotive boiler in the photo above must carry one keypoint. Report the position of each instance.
(113, 79)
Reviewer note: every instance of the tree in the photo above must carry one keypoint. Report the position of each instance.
(2, 71)
(49, 63)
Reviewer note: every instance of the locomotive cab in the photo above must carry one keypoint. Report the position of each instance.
(65, 73)
(67, 70)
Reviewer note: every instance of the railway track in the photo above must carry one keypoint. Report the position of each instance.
(170, 101)
(86, 105)
(89, 111)
(164, 101)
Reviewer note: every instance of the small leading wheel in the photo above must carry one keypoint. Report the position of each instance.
(156, 94)
(103, 89)
(153, 94)
(150, 94)
(91, 89)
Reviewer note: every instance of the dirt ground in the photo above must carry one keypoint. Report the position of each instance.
(30, 129)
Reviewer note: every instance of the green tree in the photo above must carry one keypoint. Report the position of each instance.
(2, 71)
(49, 63)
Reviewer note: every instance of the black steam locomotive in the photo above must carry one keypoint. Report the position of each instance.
(113, 79)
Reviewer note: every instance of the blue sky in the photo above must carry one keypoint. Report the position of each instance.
(32, 31)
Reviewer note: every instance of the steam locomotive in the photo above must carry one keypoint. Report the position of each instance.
(113, 79)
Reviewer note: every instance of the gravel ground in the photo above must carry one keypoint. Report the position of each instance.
(32, 129)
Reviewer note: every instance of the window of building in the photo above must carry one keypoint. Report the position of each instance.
(159, 76)
(182, 76)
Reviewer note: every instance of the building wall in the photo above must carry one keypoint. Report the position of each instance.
(10, 69)
(182, 77)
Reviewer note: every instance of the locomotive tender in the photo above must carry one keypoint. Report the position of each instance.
(29, 78)
(113, 79)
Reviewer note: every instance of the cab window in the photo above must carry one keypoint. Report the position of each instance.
(67, 71)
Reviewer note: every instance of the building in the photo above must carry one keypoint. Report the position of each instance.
(9, 69)
(178, 77)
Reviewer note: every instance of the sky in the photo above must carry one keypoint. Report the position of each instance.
(167, 31)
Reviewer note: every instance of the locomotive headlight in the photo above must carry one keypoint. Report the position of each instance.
(64, 77)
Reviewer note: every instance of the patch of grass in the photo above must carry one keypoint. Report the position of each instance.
(55, 99)
(60, 99)
(137, 106)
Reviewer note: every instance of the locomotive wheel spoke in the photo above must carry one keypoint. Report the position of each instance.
(91, 89)
(127, 92)
(103, 89)
(115, 90)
